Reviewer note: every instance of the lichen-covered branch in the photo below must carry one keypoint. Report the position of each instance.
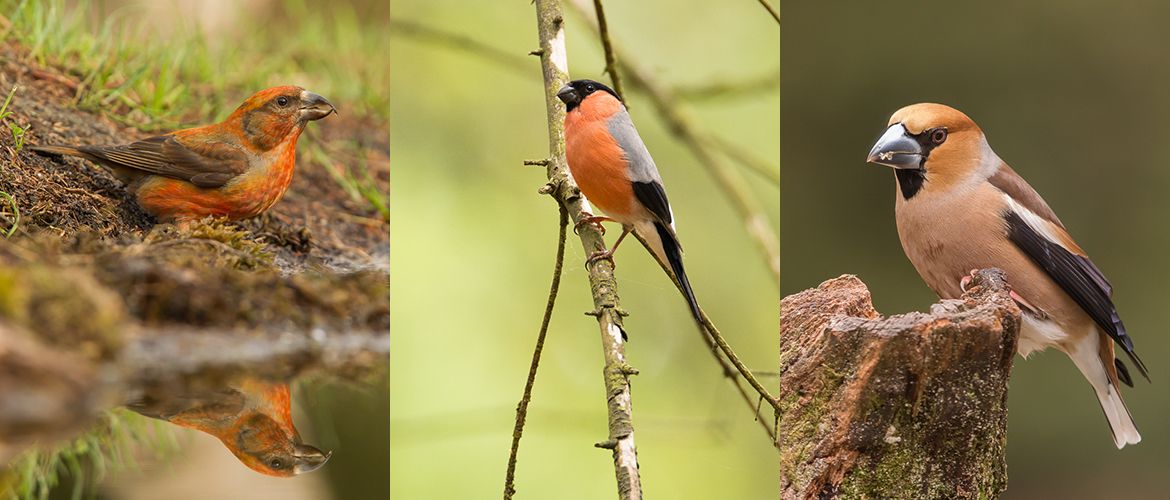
(554, 62)
(910, 406)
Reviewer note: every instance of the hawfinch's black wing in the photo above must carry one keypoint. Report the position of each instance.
(1050, 247)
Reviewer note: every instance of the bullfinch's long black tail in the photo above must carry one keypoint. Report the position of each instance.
(673, 253)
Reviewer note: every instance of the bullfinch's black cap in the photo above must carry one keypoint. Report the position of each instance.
(577, 90)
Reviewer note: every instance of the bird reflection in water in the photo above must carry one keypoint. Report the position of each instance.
(252, 418)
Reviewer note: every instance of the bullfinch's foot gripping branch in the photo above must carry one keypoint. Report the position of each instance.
(608, 254)
(595, 220)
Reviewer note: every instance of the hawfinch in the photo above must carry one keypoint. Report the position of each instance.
(961, 208)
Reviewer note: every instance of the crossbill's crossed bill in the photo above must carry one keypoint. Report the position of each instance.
(237, 168)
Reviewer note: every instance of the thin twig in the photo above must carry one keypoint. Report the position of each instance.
(715, 341)
(517, 64)
(522, 408)
(610, 57)
(727, 177)
(603, 285)
(771, 10)
(724, 89)
(728, 371)
(743, 370)
(745, 158)
(430, 34)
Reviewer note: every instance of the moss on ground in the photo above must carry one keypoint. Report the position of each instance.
(69, 310)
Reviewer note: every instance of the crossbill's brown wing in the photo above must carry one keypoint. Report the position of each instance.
(205, 164)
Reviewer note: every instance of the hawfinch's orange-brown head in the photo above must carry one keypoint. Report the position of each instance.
(933, 144)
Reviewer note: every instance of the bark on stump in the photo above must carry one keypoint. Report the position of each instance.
(910, 406)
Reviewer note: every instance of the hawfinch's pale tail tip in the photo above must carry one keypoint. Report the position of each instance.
(1122, 440)
(1120, 421)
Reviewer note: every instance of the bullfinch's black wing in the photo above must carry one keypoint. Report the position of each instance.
(648, 189)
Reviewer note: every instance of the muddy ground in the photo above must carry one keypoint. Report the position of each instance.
(98, 301)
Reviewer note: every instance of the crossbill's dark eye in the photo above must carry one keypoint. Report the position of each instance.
(276, 463)
(938, 136)
(282, 101)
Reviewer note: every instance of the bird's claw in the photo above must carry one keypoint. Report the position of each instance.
(588, 218)
(1020, 301)
(966, 281)
(599, 256)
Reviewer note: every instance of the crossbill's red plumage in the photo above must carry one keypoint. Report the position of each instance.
(237, 168)
(615, 172)
(253, 419)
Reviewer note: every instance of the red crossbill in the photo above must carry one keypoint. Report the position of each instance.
(253, 419)
(237, 168)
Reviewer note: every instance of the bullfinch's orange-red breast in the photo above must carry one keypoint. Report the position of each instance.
(615, 172)
(960, 207)
(237, 168)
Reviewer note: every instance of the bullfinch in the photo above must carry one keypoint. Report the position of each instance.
(961, 208)
(615, 172)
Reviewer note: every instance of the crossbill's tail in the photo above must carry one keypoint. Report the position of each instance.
(96, 154)
(58, 151)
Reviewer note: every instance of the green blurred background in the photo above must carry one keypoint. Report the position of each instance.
(473, 246)
(1075, 99)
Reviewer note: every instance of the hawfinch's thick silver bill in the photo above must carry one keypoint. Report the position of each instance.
(960, 208)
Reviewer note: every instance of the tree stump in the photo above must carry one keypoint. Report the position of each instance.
(910, 406)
